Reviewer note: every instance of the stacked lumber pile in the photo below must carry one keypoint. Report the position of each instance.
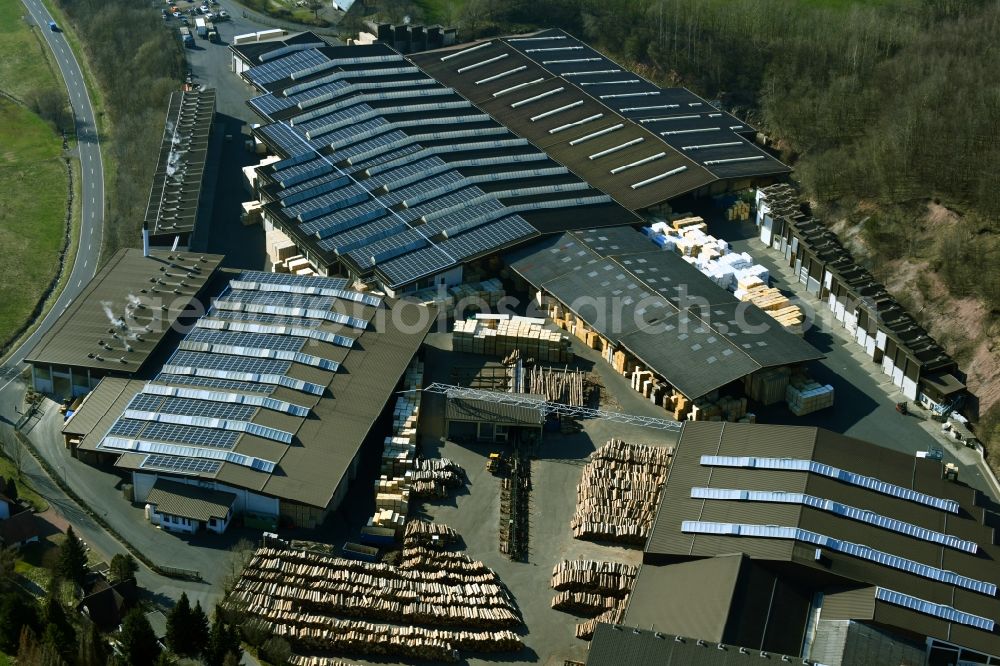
(299, 660)
(767, 386)
(738, 211)
(422, 532)
(499, 335)
(569, 322)
(804, 396)
(582, 603)
(585, 630)
(483, 295)
(323, 603)
(434, 477)
(724, 408)
(564, 386)
(589, 587)
(619, 492)
(771, 301)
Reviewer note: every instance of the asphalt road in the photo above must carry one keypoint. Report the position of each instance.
(92, 192)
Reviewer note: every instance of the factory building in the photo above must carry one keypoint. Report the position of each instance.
(176, 206)
(263, 408)
(120, 319)
(644, 308)
(802, 541)
(890, 336)
(416, 171)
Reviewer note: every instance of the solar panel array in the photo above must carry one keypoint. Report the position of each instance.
(346, 116)
(189, 419)
(179, 464)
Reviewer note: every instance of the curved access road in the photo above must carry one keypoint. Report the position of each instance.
(92, 193)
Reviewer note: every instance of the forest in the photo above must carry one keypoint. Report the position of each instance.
(889, 111)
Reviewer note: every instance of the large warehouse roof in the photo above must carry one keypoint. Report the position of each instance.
(920, 549)
(391, 172)
(614, 645)
(640, 143)
(684, 327)
(173, 198)
(273, 390)
(125, 311)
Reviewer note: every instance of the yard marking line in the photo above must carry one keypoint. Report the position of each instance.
(85, 263)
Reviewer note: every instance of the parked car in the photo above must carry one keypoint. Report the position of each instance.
(177, 15)
(184, 20)
(203, 8)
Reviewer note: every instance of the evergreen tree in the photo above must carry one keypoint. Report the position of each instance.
(223, 641)
(17, 612)
(179, 622)
(138, 642)
(123, 567)
(93, 650)
(198, 637)
(72, 562)
(58, 635)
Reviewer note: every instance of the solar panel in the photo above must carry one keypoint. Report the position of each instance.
(277, 298)
(173, 432)
(249, 340)
(211, 382)
(274, 329)
(329, 224)
(288, 279)
(262, 318)
(288, 140)
(350, 152)
(351, 236)
(180, 464)
(415, 265)
(488, 237)
(283, 68)
(268, 105)
(307, 180)
(237, 364)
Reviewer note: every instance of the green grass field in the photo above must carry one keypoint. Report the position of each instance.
(23, 67)
(33, 181)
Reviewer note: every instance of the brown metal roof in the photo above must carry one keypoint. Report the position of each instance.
(462, 409)
(99, 403)
(187, 501)
(973, 522)
(325, 442)
(173, 197)
(163, 285)
(614, 645)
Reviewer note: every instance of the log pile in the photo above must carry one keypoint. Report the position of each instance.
(582, 603)
(434, 477)
(612, 579)
(421, 532)
(323, 603)
(619, 492)
(564, 386)
(585, 630)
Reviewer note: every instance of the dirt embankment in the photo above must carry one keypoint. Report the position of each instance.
(965, 327)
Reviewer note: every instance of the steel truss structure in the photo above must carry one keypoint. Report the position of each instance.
(521, 400)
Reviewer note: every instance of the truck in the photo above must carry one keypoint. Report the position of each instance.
(186, 36)
(213, 34)
(200, 27)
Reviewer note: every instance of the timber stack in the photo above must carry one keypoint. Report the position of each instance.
(328, 604)
(619, 491)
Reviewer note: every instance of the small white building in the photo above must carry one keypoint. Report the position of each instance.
(179, 507)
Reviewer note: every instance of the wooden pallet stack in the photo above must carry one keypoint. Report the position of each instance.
(322, 603)
(499, 335)
(804, 396)
(771, 301)
(619, 491)
(767, 386)
(738, 211)
(724, 408)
